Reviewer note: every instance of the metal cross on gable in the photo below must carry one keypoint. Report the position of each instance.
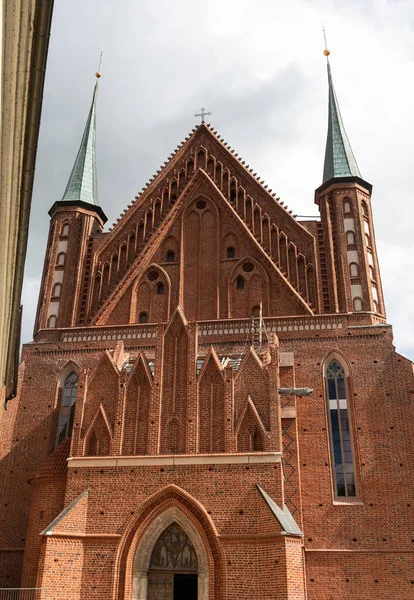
(203, 114)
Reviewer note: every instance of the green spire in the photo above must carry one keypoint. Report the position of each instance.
(339, 158)
(82, 185)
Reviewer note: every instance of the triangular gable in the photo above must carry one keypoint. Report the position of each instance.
(211, 357)
(140, 364)
(151, 207)
(99, 413)
(249, 355)
(200, 184)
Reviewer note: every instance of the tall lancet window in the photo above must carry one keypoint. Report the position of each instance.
(67, 407)
(341, 442)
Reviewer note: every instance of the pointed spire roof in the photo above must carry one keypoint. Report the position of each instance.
(339, 158)
(82, 185)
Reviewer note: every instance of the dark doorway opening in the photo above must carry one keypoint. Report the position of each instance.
(185, 586)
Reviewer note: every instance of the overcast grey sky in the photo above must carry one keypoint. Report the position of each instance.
(257, 65)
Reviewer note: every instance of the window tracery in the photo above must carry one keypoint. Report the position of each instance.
(174, 551)
(339, 425)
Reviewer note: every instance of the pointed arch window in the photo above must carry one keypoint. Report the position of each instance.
(65, 229)
(340, 430)
(170, 256)
(347, 206)
(231, 253)
(67, 407)
(143, 317)
(160, 288)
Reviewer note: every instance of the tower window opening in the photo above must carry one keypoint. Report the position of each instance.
(350, 238)
(353, 269)
(375, 305)
(340, 430)
(231, 253)
(65, 229)
(57, 288)
(364, 208)
(240, 283)
(60, 259)
(160, 288)
(347, 206)
(52, 321)
(170, 256)
(67, 407)
(357, 304)
(367, 240)
(143, 317)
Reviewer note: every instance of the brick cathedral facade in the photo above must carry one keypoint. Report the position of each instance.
(163, 443)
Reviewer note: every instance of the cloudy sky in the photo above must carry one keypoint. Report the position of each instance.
(257, 65)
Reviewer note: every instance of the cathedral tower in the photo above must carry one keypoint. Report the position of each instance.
(73, 220)
(350, 275)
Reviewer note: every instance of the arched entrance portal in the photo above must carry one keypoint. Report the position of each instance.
(173, 568)
(171, 561)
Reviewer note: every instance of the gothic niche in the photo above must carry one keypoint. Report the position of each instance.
(174, 551)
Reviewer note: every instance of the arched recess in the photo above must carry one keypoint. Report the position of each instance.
(149, 297)
(136, 413)
(192, 513)
(175, 385)
(201, 260)
(97, 440)
(157, 213)
(266, 233)
(123, 259)
(250, 432)
(283, 254)
(211, 406)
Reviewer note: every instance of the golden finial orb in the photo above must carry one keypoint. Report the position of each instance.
(97, 75)
(326, 52)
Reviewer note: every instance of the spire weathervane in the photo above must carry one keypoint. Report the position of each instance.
(326, 52)
(202, 114)
(98, 72)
